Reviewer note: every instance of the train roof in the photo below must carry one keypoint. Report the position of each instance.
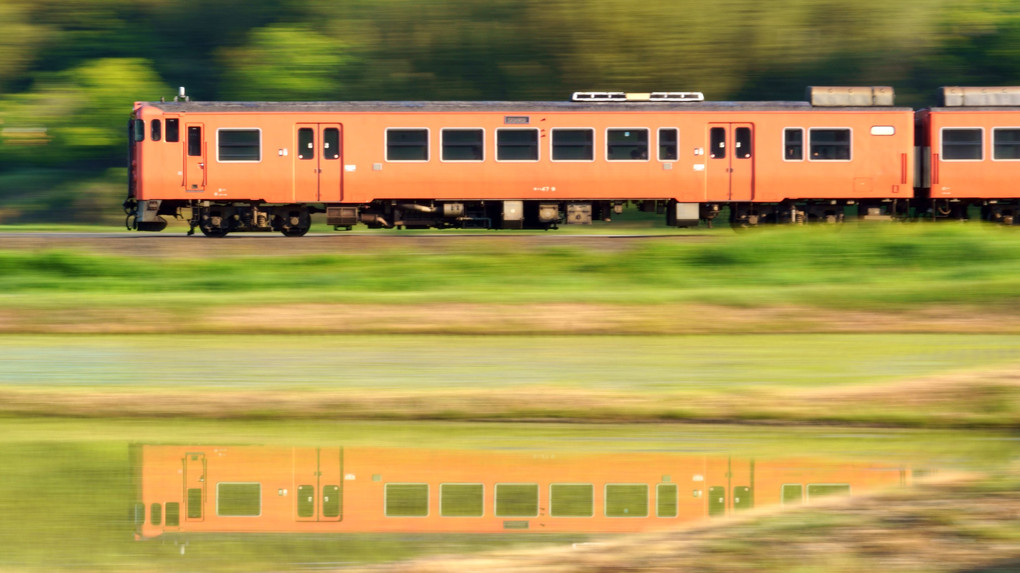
(492, 106)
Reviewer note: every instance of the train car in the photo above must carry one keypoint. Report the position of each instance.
(970, 154)
(228, 167)
(256, 489)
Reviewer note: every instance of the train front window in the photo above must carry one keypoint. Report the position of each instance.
(157, 130)
(962, 144)
(627, 144)
(793, 143)
(573, 144)
(516, 145)
(407, 145)
(239, 145)
(830, 144)
(1007, 143)
(137, 130)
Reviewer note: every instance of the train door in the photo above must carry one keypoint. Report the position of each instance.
(318, 482)
(194, 485)
(730, 162)
(195, 158)
(318, 163)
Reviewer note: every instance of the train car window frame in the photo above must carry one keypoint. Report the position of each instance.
(635, 152)
(565, 499)
(502, 146)
(813, 144)
(661, 144)
(156, 130)
(1014, 144)
(496, 500)
(611, 507)
(426, 145)
(979, 144)
(173, 130)
(793, 151)
(475, 148)
(247, 151)
(220, 495)
(415, 514)
(446, 510)
(667, 510)
(564, 146)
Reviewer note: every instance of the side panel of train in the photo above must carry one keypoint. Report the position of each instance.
(279, 489)
(764, 156)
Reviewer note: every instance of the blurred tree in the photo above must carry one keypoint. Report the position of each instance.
(20, 40)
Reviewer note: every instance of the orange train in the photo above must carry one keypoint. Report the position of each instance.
(250, 489)
(261, 166)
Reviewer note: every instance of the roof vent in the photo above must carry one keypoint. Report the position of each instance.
(867, 96)
(637, 96)
(980, 96)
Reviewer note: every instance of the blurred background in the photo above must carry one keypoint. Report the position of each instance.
(70, 69)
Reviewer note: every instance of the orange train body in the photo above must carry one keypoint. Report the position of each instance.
(250, 489)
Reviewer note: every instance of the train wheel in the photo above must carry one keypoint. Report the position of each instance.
(294, 222)
(214, 232)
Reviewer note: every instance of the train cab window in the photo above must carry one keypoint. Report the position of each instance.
(743, 143)
(407, 145)
(238, 499)
(717, 143)
(627, 144)
(239, 145)
(517, 500)
(156, 514)
(195, 140)
(157, 130)
(667, 500)
(830, 144)
(461, 500)
(306, 143)
(137, 130)
(173, 130)
(793, 144)
(407, 500)
(962, 144)
(516, 145)
(463, 144)
(626, 500)
(573, 144)
(173, 514)
(669, 141)
(331, 143)
(1006, 143)
(572, 500)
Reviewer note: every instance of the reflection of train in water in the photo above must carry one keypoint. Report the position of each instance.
(184, 489)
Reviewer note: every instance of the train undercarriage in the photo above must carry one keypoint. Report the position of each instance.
(219, 219)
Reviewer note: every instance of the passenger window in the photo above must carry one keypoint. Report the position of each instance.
(407, 145)
(157, 130)
(669, 144)
(516, 500)
(194, 503)
(156, 514)
(407, 500)
(305, 143)
(516, 145)
(331, 143)
(743, 143)
(239, 499)
(240, 144)
(1007, 143)
(571, 500)
(573, 144)
(461, 500)
(668, 500)
(962, 144)
(173, 130)
(793, 493)
(195, 141)
(463, 144)
(830, 144)
(793, 143)
(627, 144)
(823, 489)
(173, 514)
(626, 500)
(717, 143)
